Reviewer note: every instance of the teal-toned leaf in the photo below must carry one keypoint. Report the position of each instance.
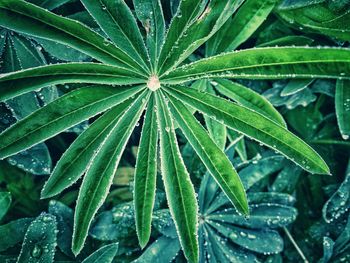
(339, 203)
(39, 241)
(253, 125)
(104, 254)
(81, 152)
(211, 155)
(27, 54)
(17, 83)
(150, 14)
(261, 241)
(38, 22)
(61, 51)
(342, 107)
(268, 63)
(64, 217)
(5, 202)
(99, 177)
(255, 172)
(249, 99)
(295, 86)
(117, 21)
(35, 160)
(178, 187)
(287, 179)
(13, 232)
(222, 247)
(237, 30)
(263, 215)
(61, 114)
(164, 224)
(116, 224)
(206, 25)
(145, 174)
(163, 250)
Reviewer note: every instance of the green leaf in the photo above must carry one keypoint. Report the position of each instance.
(295, 86)
(5, 202)
(117, 21)
(145, 175)
(211, 155)
(217, 131)
(261, 241)
(288, 41)
(268, 63)
(64, 217)
(339, 202)
(116, 224)
(81, 152)
(104, 254)
(39, 241)
(342, 106)
(99, 176)
(150, 14)
(330, 18)
(179, 190)
(13, 232)
(61, 114)
(187, 13)
(17, 83)
(38, 22)
(50, 5)
(253, 125)
(206, 25)
(244, 23)
(163, 250)
(250, 99)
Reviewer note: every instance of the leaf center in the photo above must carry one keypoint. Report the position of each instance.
(153, 83)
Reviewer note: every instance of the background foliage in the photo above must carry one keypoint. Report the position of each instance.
(295, 215)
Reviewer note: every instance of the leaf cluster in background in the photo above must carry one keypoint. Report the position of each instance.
(142, 171)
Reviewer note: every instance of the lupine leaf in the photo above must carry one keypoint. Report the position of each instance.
(179, 190)
(145, 175)
(117, 21)
(81, 152)
(211, 155)
(150, 14)
(237, 30)
(61, 114)
(99, 176)
(13, 232)
(255, 126)
(39, 241)
(295, 86)
(17, 83)
(5, 202)
(187, 13)
(30, 19)
(104, 254)
(268, 63)
(164, 249)
(249, 99)
(217, 131)
(342, 106)
(206, 25)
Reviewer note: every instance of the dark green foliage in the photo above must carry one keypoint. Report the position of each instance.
(156, 117)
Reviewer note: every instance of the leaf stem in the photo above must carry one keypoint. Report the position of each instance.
(295, 245)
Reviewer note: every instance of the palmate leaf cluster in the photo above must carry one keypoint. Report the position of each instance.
(134, 71)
